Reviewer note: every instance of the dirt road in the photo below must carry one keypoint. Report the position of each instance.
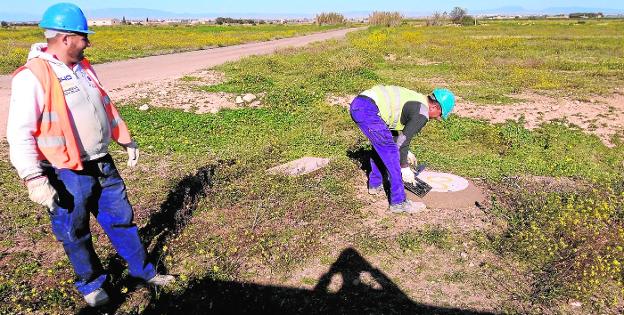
(119, 74)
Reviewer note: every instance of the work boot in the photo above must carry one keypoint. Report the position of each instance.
(408, 206)
(375, 190)
(96, 298)
(161, 280)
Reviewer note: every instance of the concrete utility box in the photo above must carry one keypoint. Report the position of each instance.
(304, 165)
(449, 191)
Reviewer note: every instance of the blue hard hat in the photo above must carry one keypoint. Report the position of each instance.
(65, 17)
(446, 100)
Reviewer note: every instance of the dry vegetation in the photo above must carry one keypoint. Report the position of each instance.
(329, 18)
(387, 19)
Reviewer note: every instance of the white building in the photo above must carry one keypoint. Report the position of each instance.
(104, 22)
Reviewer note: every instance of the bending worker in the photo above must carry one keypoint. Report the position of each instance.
(60, 124)
(384, 109)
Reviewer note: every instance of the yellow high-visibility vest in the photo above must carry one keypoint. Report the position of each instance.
(390, 100)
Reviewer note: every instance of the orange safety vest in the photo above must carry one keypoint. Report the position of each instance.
(55, 135)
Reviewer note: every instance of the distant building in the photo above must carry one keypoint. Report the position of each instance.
(558, 16)
(104, 22)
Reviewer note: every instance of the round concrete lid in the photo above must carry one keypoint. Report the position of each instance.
(448, 191)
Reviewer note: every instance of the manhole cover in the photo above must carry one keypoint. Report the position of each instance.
(444, 182)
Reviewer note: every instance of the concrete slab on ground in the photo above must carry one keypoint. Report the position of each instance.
(300, 166)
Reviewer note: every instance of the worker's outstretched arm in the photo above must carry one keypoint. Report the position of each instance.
(414, 118)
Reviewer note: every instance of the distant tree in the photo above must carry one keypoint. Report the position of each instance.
(123, 21)
(4, 24)
(457, 15)
(436, 19)
(147, 20)
(585, 15)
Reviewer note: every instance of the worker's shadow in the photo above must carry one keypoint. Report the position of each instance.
(175, 213)
(350, 286)
(363, 156)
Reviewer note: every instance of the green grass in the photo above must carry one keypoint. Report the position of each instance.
(133, 41)
(485, 64)
(435, 236)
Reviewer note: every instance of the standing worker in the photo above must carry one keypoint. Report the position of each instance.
(383, 109)
(60, 124)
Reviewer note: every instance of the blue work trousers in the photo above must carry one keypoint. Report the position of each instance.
(96, 189)
(366, 115)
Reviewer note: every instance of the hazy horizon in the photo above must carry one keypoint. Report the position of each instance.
(32, 10)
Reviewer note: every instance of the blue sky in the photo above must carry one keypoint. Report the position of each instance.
(300, 6)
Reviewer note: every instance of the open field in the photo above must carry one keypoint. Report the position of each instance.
(241, 240)
(125, 42)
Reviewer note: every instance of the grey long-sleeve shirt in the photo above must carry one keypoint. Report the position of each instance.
(414, 117)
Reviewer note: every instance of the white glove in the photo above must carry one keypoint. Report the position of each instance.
(411, 159)
(133, 154)
(408, 175)
(41, 192)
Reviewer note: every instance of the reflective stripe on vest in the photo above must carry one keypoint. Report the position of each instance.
(390, 100)
(49, 117)
(115, 122)
(50, 141)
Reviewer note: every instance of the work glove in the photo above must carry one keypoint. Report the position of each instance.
(408, 175)
(411, 159)
(133, 154)
(41, 192)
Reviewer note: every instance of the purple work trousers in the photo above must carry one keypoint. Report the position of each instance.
(366, 115)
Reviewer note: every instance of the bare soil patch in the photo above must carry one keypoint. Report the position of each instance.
(600, 116)
(180, 93)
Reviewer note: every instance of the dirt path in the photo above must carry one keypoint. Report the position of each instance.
(116, 75)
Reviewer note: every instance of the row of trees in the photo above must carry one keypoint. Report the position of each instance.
(460, 16)
(456, 16)
(227, 20)
(586, 15)
(375, 18)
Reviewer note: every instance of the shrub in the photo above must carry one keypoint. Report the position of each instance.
(437, 19)
(385, 18)
(329, 18)
(468, 20)
(573, 240)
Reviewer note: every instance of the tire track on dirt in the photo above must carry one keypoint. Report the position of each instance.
(118, 74)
